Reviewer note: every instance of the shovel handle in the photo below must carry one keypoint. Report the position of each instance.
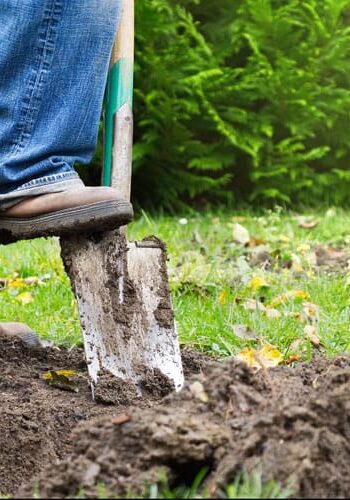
(118, 124)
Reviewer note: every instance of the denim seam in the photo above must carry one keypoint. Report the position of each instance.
(49, 179)
(47, 36)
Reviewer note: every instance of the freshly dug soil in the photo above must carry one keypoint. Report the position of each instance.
(292, 423)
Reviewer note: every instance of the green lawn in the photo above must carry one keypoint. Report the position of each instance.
(211, 279)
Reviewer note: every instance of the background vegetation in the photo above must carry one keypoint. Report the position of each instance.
(244, 100)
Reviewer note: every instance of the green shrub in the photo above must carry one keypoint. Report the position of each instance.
(246, 100)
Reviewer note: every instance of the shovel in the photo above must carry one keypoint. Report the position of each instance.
(122, 287)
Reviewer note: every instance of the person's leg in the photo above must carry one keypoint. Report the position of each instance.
(54, 57)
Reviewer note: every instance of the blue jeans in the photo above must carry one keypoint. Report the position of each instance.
(54, 57)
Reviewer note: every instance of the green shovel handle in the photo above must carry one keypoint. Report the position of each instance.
(118, 114)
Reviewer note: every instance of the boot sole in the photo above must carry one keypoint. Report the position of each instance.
(96, 217)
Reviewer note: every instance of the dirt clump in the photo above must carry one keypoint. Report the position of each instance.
(291, 423)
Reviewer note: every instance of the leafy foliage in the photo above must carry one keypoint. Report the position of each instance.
(245, 100)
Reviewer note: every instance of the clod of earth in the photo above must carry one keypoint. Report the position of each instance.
(292, 423)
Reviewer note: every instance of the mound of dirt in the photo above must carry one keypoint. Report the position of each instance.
(292, 423)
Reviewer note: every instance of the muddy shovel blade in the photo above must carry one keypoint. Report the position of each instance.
(125, 308)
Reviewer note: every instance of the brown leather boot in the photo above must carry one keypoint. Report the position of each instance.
(80, 210)
(20, 331)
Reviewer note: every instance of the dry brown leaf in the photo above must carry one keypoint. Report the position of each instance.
(310, 313)
(253, 305)
(292, 359)
(311, 334)
(295, 345)
(121, 419)
(272, 313)
(326, 255)
(243, 332)
(307, 222)
(255, 242)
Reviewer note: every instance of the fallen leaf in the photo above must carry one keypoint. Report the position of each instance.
(267, 357)
(270, 356)
(198, 392)
(25, 298)
(33, 280)
(295, 345)
(22, 282)
(290, 295)
(292, 359)
(307, 222)
(272, 313)
(64, 373)
(60, 379)
(255, 242)
(326, 255)
(240, 234)
(260, 256)
(121, 419)
(310, 313)
(296, 264)
(243, 332)
(257, 283)
(310, 334)
(243, 268)
(253, 305)
(303, 248)
(283, 238)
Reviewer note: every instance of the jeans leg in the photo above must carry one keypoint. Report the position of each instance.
(54, 57)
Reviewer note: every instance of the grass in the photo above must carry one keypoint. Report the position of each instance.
(211, 281)
(245, 486)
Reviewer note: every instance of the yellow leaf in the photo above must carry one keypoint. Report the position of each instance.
(61, 373)
(270, 356)
(61, 380)
(248, 356)
(290, 295)
(267, 357)
(25, 298)
(257, 282)
(283, 238)
(223, 297)
(16, 283)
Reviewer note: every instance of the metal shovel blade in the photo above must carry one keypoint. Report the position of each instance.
(125, 308)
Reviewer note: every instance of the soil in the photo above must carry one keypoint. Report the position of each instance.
(291, 423)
